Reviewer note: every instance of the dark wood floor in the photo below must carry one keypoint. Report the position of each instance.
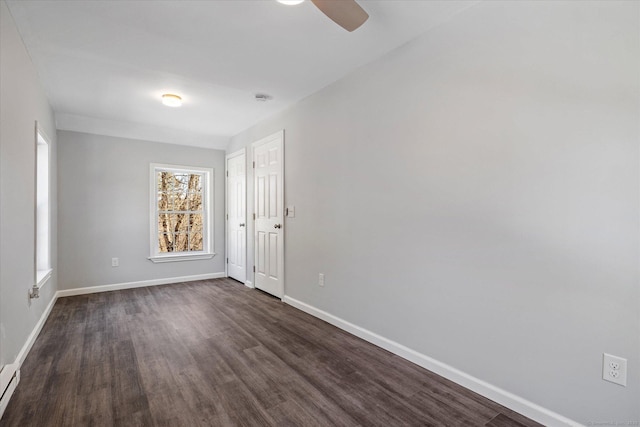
(215, 353)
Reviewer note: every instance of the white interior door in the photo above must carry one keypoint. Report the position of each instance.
(268, 158)
(236, 216)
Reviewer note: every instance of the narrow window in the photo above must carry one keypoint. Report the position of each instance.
(43, 211)
(181, 223)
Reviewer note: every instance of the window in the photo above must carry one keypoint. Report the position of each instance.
(43, 217)
(181, 223)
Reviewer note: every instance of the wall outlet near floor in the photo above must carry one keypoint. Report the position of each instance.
(321, 279)
(115, 262)
(614, 369)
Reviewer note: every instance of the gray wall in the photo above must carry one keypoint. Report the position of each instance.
(473, 195)
(104, 209)
(22, 102)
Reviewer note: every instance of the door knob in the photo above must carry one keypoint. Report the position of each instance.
(277, 226)
(241, 225)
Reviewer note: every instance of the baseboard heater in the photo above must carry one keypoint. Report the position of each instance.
(9, 379)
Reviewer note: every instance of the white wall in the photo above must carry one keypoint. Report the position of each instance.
(104, 209)
(473, 195)
(22, 102)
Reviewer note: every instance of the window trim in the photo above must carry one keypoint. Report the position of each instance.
(208, 224)
(42, 275)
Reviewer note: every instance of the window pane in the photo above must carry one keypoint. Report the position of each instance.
(165, 242)
(181, 224)
(165, 202)
(164, 225)
(195, 223)
(181, 242)
(195, 201)
(165, 181)
(43, 221)
(179, 201)
(173, 222)
(195, 193)
(195, 242)
(180, 182)
(195, 183)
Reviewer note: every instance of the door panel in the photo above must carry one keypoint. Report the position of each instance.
(273, 196)
(269, 202)
(262, 253)
(273, 255)
(261, 201)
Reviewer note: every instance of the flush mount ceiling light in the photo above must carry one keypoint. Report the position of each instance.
(290, 2)
(171, 100)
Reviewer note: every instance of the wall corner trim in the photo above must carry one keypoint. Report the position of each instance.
(503, 397)
(249, 284)
(139, 284)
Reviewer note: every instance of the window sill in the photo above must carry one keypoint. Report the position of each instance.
(42, 277)
(175, 258)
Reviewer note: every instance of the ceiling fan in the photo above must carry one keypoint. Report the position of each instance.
(346, 13)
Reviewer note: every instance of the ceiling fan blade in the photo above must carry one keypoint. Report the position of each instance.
(346, 13)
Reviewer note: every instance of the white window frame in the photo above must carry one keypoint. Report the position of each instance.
(207, 214)
(42, 212)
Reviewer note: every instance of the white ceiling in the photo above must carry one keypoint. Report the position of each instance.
(104, 64)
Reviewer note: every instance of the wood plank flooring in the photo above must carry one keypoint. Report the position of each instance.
(215, 353)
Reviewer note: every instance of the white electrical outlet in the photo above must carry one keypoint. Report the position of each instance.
(321, 279)
(614, 369)
(115, 262)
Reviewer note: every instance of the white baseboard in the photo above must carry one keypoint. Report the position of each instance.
(140, 284)
(249, 284)
(503, 397)
(7, 378)
(26, 348)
